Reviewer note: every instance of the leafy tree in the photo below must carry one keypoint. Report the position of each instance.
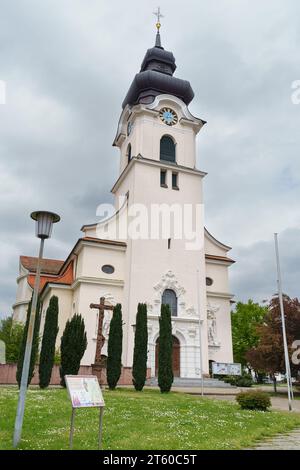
(35, 343)
(165, 372)
(72, 348)
(139, 368)
(57, 357)
(114, 348)
(11, 333)
(245, 320)
(268, 355)
(48, 343)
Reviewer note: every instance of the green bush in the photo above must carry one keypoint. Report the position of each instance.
(11, 333)
(244, 381)
(238, 381)
(229, 379)
(254, 400)
(57, 357)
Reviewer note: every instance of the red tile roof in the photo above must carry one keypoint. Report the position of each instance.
(219, 258)
(49, 266)
(65, 278)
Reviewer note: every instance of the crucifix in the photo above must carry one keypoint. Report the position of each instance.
(100, 338)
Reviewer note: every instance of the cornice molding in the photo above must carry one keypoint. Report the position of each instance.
(219, 295)
(101, 281)
(159, 164)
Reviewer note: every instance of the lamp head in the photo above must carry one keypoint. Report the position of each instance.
(44, 223)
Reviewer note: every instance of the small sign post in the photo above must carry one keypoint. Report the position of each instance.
(85, 392)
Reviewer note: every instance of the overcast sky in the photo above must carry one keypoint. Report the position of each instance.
(68, 64)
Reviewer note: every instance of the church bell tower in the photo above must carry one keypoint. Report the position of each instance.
(156, 137)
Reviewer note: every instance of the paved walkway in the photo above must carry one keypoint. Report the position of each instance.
(290, 441)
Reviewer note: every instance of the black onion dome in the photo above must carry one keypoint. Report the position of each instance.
(156, 78)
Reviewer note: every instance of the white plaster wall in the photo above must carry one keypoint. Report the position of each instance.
(212, 248)
(219, 274)
(23, 296)
(92, 257)
(65, 297)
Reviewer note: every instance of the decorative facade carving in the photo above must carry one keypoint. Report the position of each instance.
(169, 281)
(212, 325)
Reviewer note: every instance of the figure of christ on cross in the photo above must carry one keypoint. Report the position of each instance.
(97, 366)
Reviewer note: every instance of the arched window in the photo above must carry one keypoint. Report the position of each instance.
(167, 149)
(169, 298)
(128, 153)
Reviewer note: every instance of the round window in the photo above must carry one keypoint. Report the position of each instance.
(209, 281)
(108, 269)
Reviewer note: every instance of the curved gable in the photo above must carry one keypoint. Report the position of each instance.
(212, 246)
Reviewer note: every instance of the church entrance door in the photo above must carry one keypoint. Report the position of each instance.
(175, 357)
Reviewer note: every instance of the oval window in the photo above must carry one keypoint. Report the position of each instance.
(108, 269)
(209, 281)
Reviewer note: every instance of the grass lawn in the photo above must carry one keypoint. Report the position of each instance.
(132, 420)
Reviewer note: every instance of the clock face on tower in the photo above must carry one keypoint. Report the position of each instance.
(168, 116)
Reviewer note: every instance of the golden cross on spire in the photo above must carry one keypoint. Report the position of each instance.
(158, 16)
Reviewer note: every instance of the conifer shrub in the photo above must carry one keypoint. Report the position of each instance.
(139, 368)
(114, 348)
(47, 354)
(165, 372)
(72, 348)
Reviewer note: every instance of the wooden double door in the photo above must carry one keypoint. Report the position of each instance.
(175, 357)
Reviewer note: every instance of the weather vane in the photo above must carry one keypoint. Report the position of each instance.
(158, 16)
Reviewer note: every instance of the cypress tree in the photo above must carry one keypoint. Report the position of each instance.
(139, 368)
(48, 343)
(72, 348)
(35, 343)
(165, 372)
(114, 348)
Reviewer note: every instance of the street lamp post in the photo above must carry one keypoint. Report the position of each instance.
(44, 223)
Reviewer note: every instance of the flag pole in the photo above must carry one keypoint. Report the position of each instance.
(200, 334)
(285, 346)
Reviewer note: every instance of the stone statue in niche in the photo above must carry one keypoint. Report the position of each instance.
(212, 325)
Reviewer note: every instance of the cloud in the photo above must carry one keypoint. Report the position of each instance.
(68, 65)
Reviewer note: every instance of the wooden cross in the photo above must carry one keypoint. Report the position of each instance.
(100, 338)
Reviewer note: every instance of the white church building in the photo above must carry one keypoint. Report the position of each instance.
(126, 258)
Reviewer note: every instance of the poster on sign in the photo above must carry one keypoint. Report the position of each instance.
(221, 368)
(84, 391)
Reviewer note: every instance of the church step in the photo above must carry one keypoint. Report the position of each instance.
(192, 382)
